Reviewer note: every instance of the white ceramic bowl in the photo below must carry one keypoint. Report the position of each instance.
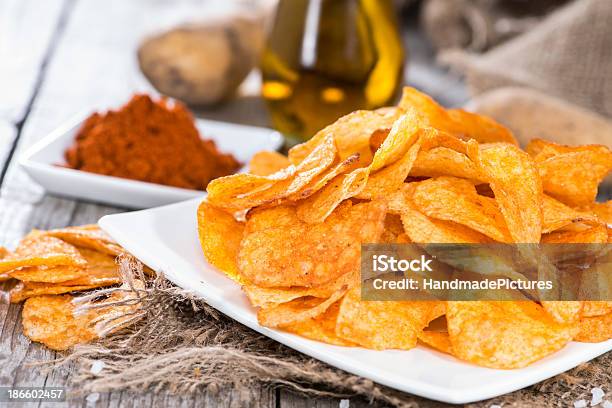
(42, 162)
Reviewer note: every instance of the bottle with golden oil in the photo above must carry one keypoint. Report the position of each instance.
(326, 58)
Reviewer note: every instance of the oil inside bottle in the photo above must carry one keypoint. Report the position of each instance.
(326, 58)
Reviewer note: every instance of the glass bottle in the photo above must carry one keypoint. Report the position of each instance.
(326, 58)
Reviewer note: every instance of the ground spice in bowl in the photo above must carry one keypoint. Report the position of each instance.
(149, 140)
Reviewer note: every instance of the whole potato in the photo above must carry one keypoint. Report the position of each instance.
(202, 64)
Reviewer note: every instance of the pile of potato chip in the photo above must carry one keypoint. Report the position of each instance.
(49, 266)
(290, 232)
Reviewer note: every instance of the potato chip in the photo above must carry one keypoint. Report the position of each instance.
(49, 274)
(504, 334)
(391, 178)
(595, 329)
(596, 308)
(602, 210)
(393, 229)
(439, 340)
(571, 174)
(422, 229)
(267, 162)
(351, 134)
(55, 321)
(87, 236)
(586, 235)
(321, 328)
(38, 250)
(442, 161)
(514, 179)
(348, 165)
(456, 121)
(242, 191)
(556, 215)
(296, 311)
(220, 235)
(404, 133)
(384, 325)
(318, 207)
(50, 320)
(280, 250)
(377, 138)
(454, 199)
(357, 130)
(25, 290)
(100, 267)
(268, 297)
(564, 311)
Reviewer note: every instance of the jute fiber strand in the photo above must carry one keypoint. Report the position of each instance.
(568, 55)
(181, 345)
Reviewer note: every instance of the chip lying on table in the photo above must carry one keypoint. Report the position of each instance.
(291, 231)
(51, 266)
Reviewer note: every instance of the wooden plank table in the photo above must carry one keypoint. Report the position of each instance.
(61, 57)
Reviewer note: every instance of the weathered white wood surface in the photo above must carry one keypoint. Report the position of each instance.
(61, 57)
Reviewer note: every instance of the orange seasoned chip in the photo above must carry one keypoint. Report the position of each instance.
(55, 321)
(456, 121)
(49, 274)
(101, 270)
(25, 290)
(280, 250)
(296, 311)
(455, 199)
(348, 165)
(351, 134)
(564, 311)
(404, 133)
(514, 179)
(571, 174)
(321, 328)
(391, 178)
(268, 297)
(581, 234)
(386, 324)
(504, 334)
(596, 308)
(602, 210)
(220, 235)
(556, 215)
(442, 161)
(50, 320)
(393, 229)
(319, 206)
(38, 250)
(595, 329)
(422, 229)
(243, 191)
(87, 236)
(439, 340)
(267, 162)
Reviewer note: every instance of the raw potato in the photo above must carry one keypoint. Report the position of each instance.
(202, 64)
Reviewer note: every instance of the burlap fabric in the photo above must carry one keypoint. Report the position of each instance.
(568, 55)
(182, 345)
(478, 25)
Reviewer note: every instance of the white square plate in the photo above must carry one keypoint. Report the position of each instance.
(166, 240)
(41, 162)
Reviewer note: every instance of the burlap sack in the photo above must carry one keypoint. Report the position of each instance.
(568, 55)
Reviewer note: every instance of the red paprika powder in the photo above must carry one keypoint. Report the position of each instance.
(149, 140)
